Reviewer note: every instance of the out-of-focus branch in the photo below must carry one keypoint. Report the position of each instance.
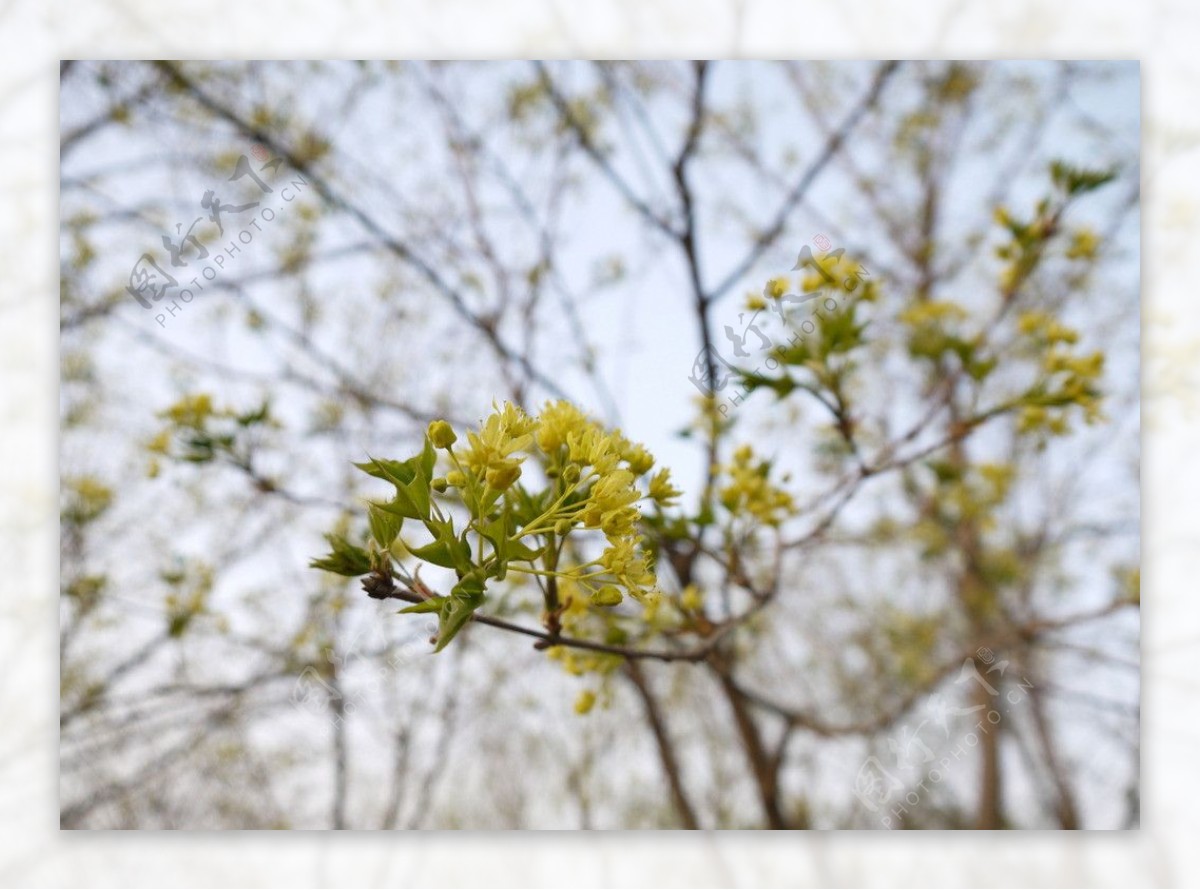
(546, 640)
(832, 146)
(665, 746)
(174, 72)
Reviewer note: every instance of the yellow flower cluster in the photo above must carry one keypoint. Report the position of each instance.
(1070, 380)
(749, 491)
(190, 411)
(86, 498)
(492, 452)
(932, 312)
(662, 491)
(998, 478)
(1084, 244)
(597, 472)
(610, 506)
(976, 493)
(754, 301)
(575, 619)
(777, 287)
(1044, 328)
(841, 273)
(1034, 418)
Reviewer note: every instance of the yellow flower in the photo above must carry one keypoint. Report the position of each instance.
(89, 498)
(607, 596)
(592, 447)
(998, 476)
(516, 421)
(754, 302)
(776, 288)
(617, 557)
(661, 489)
(640, 460)
(750, 493)
(1046, 328)
(1084, 243)
(502, 435)
(610, 496)
(441, 434)
(503, 474)
(585, 702)
(651, 600)
(557, 421)
(160, 444)
(1031, 418)
(622, 560)
(925, 312)
(191, 411)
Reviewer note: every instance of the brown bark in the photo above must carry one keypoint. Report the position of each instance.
(666, 748)
(762, 765)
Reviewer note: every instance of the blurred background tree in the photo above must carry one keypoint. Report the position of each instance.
(949, 530)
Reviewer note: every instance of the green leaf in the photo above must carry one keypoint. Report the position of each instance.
(496, 533)
(471, 585)
(417, 492)
(427, 460)
(782, 386)
(344, 559)
(523, 553)
(385, 524)
(433, 604)
(394, 471)
(797, 352)
(441, 553)
(525, 507)
(256, 416)
(453, 616)
(446, 550)
(411, 478)
(402, 505)
(1077, 180)
(981, 368)
(840, 332)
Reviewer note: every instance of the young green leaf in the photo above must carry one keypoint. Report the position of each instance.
(344, 559)
(385, 524)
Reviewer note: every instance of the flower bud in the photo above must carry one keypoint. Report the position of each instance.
(607, 596)
(439, 484)
(441, 434)
(502, 477)
(571, 474)
(457, 479)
